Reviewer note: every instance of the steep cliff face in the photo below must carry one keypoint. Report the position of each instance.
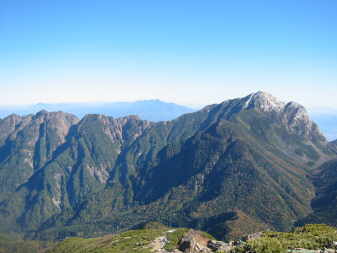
(82, 164)
(28, 143)
(8, 125)
(293, 115)
(308, 144)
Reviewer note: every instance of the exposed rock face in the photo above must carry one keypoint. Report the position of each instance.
(192, 242)
(60, 122)
(264, 101)
(28, 143)
(252, 236)
(119, 130)
(292, 114)
(299, 121)
(218, 246)
(8, 125)
(188, 245)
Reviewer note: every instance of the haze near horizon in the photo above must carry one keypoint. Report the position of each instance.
(186, 52)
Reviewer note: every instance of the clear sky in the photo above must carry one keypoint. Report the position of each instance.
(193, 52)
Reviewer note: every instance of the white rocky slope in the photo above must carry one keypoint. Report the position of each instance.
(312, 149)
(292, 114)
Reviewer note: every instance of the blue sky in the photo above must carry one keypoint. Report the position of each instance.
(188, 52)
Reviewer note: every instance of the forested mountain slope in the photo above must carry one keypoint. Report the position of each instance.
(244, 162)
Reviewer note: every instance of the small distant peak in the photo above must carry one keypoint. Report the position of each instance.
(294, 105)
(93, 116)
(261, 95)
(53, 114)
(135, 117)
(154, 100)
(12, 116)
(41, 104)
(130, 117)
(41, 113)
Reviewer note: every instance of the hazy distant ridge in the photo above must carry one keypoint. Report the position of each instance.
(152, 110)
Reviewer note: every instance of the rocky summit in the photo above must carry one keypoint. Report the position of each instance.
(245, 165)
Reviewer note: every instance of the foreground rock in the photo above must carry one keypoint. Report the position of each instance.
(218, 245)
(193, 241)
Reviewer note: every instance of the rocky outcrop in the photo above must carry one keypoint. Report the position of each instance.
(292, 114)
(27, 143)
(218, 246)
(193, 241)
(120, 130)
(252, 236)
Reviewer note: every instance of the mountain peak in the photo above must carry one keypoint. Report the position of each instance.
(264, 101)
(292, 114)
(12, 117)
(42, 113)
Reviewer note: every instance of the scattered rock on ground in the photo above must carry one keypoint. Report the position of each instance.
(218, 245)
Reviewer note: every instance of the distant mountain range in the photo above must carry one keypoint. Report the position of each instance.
(240, 166)
(152, 110)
